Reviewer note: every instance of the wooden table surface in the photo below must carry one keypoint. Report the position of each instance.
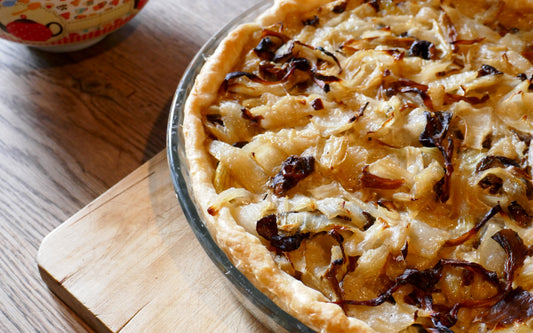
(74, 124)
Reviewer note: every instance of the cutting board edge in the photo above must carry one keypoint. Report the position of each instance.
(48, 277)
(88, 317)
(67, 283)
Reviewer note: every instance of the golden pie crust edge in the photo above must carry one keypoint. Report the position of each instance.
(245, 250)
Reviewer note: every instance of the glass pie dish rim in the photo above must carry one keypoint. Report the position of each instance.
(260, 305)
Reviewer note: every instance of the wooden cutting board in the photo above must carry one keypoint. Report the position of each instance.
(129, 262)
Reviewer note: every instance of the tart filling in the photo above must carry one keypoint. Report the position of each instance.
(368, 164)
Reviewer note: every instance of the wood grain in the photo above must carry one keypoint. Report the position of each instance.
(129, 262)
(72, 125)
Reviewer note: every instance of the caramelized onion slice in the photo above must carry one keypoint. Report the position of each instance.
(374, 4)
(267, 228)
(254, 120)
(434, 135)
(423, 49)
(516, 305)
(331, 55)
(293, 170)
(340, 8)
(516, 252)
(488, 70)
(519, 214)
(470, 233)
(369, 180)
(437, 126)
(235, 75)
(491, 182)
(490, 162)
(267, 47)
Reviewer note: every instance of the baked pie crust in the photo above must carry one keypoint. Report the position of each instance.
(368, 164)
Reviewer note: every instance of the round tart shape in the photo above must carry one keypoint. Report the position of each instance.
(368, 164)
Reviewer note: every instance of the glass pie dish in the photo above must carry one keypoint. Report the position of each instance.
(264, 309)
(354, 165)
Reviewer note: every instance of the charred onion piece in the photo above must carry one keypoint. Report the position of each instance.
(317, 104)
(267, 228)
(331, 55)
(215, 119)
(313, 69)
(529, 189)
(516, 253)
(270, 42)
(323, 81)
(435, 132)
(394, 86)
(473, 267)
(235, 75)
(369, 180)
(515, 305)
(359, 113)
(405, 250)
(370, 220)
(331, 276)
(488, 70)
(452, 98)
(333, 270)
(519, 214)
(298, 63)
(267, 47)
(524, 137)
(387, 204)
(254, 120)
(469, 234)
(491, 182)
(373, 3)
(468, 41)
(270, 72)
(312, 21)
(304, 65)
(293, 169)
(240, 144)
(490, 162)
(340, 8)
(288, 243)
(423, 49)
(403, 85)
(487, 142)
(268, 32)
(442, 187)
(436, 129)
(290, 53)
